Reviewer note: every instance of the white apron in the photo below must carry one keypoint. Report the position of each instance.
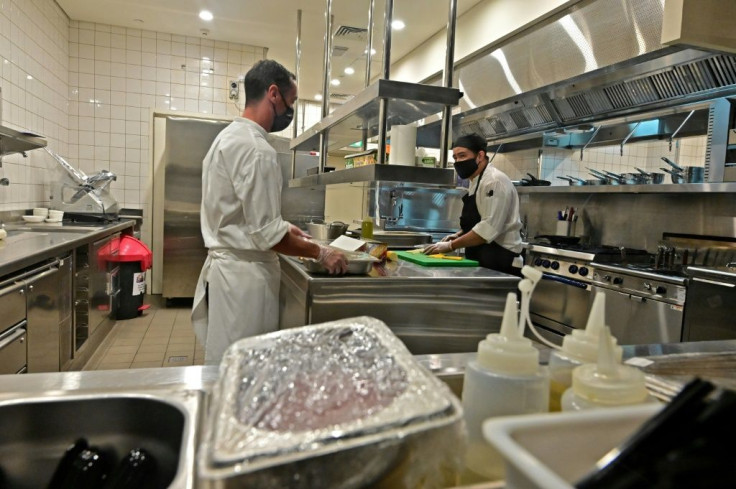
(243, 299)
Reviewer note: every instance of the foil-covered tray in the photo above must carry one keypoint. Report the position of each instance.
(359, 263)
(306, 392)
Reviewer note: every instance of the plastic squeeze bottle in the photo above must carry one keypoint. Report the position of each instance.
(607, 383)
(579, 347)
(504, 379)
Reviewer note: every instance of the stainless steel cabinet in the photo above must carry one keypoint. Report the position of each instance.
(43, 296)
(66, 348)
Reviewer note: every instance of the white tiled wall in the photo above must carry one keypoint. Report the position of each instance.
(34, 71)
(645, 155)
(118, 76)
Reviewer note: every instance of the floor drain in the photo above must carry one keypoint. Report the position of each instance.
(178, 359)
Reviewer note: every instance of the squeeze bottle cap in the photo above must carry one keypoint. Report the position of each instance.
(608, 381)
(508, 352)
(582, 344)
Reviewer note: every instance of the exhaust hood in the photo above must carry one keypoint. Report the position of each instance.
(591, 63)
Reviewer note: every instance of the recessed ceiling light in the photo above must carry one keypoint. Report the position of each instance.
(398, 24)
(206, 15)
(349, 70)
(335, 82)
(29, 77)
(318, 96)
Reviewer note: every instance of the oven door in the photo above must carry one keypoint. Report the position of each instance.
(636, 320)
(710, 310)
(560, 304)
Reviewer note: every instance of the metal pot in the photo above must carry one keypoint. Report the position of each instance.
(690, 174)
(626, 178)
(652, 177)
(674, 176)
(324, 231)
(607, 180)
(576, 182)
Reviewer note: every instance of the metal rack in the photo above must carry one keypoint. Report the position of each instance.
(380, 105)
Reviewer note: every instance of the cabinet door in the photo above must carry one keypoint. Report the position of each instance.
(43, 295)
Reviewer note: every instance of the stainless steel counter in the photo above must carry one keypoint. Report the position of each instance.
(432, 310)
(28, 244)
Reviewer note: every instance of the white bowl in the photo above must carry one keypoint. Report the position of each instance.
(56, 214)
(49, 219)
(33, 218)
(41, 211)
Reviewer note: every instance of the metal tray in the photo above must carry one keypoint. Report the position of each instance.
(359, 263)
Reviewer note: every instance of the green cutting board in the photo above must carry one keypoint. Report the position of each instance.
(426, 261)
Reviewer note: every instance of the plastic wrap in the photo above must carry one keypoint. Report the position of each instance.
(342, 404)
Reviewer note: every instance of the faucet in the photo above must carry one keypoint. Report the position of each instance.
(394, 200)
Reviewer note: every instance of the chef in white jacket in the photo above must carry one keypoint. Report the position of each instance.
(238, 289)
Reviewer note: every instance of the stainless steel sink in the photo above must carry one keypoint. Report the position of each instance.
(35, 432)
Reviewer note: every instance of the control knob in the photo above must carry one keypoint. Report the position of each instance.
(545, 263)
(661, 290)
(583, 271)
(555, 265)
(618, 280)
(606, 278)
(647, 286)
(573, 269)
(538, 262)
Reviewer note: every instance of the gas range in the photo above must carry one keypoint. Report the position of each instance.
(579, 262)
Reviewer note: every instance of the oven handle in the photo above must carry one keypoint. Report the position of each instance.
(714, 282)
(566, 281)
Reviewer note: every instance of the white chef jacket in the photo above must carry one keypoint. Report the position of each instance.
(241, 222)
(498, 205)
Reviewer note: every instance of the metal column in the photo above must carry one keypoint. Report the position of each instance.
(297, 74)
(383, 104)
(447, 82)
(368, 59)
(326, 84)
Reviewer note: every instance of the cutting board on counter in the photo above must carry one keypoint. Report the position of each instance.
(427, 261)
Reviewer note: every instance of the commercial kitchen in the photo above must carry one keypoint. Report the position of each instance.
(615, 120)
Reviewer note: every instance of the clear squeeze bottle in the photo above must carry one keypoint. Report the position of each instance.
(579, 347)
(607, 383)
(505, 379)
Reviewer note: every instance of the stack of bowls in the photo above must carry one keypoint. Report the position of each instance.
(55, 216)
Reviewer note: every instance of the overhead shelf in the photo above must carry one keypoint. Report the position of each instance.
(385, 173)
(12, 141)
(407, 103)
(680, 188)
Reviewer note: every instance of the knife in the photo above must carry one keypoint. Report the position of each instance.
(445, 257)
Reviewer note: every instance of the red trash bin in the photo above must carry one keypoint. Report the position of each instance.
(135, 258)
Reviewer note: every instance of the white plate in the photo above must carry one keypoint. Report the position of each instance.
(48, 219)
(33, 218)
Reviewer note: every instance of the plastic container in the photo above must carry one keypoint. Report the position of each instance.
(553, 451)
(578, 348)
(135, 258)
(505, 379)
(606, 383)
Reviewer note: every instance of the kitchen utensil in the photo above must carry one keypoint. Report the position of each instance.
(674, 176)
(690, 174)
(427, 261)
(572, 181)
(673, 164)
(625, 178)
(534, 181)
(653, 177)
(325, 231)
(33, 218)
(603, 177)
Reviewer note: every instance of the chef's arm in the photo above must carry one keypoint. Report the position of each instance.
(293, 243)
(467, 240)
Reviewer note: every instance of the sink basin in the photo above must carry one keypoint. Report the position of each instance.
(35, 432)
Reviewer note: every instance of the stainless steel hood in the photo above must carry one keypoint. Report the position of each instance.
(598, 60)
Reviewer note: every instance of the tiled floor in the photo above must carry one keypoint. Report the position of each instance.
(160, 337)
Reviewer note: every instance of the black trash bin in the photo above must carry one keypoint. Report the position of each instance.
(135, 258)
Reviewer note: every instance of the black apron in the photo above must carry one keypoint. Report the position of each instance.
(489, 255)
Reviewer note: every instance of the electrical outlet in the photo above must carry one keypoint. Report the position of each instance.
(234, 90)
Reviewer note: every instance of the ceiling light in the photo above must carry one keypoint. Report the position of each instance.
(349, 70)
(398, 24)
(373, 51)
(318, 96)
(335, 82)
(206, 15)
(29, 77)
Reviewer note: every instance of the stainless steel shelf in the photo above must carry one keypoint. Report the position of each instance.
(12, 141)
(386, 173)
(683, 188)
(407, 103)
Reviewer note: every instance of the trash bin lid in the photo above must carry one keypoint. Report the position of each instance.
(132, 249)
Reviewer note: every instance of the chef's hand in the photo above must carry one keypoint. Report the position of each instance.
(451, 237)
(441, 247)
(296, 231)
(333, 260)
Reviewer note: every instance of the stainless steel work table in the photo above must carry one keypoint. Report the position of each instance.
(29, 244)
(432, 310)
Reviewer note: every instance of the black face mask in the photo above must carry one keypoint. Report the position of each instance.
(465, 168)
(281, 122)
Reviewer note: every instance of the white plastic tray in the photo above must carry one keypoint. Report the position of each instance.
(554, 450)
